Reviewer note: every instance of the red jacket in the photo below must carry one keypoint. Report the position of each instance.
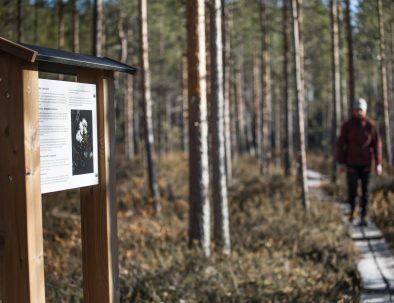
(358, 142)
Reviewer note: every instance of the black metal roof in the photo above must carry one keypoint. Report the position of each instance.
(52, 58)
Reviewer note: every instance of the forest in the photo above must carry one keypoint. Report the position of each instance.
(234, 102)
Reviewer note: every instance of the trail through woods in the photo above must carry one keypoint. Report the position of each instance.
(376, 262)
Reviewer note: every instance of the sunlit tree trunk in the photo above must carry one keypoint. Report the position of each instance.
(219, 182)
(266, 91)
(126, 55)
(226, 29)
(336, 86)
(288, 142)
(300, 107)
(147, 106)
(75, 26)
(351, 85)
(199, 214)
(383, 74)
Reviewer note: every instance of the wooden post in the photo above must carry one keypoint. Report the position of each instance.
(98, 203)
(21, 236)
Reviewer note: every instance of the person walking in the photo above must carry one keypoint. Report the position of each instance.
(359, 145)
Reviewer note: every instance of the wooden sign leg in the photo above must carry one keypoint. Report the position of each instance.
(21, 236)
(98, 203)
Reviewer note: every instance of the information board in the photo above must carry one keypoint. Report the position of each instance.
(68, 135)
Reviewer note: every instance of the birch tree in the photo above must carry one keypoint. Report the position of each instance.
(199, 214)
(300, 106)
(219, 181)
(147, 106)
(98, 29)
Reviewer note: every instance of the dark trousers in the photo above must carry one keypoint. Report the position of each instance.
(355, 173)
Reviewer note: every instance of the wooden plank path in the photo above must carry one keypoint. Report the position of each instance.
(376, 264)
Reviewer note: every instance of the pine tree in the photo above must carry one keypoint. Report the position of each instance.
(219, 181)
(199, 214)
(147, 107)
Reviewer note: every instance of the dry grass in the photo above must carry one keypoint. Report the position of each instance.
(280, 254)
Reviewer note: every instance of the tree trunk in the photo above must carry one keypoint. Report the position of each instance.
(199, 213)
(342, 62)
(129, 101)
(383, 74)
(75, 18)
(61, 28)
(277, 128)
(147, 107)
(289, 108)
(19, 21)
(351, 84)
(256, 106)
(300, 106)
(98, 29)
(219, 182)
(184, 109)
(266, 92)
(240, 108)
(226, 30)
(36, 17)
(336, 88)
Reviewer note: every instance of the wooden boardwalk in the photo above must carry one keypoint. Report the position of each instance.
(376, 264)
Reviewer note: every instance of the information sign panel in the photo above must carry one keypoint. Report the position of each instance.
(68, 135)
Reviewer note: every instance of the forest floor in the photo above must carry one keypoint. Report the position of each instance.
(280, 253)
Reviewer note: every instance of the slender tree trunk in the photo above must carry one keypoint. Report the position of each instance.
(342, 58)
(75, 18)
(19, 20)
(61, 28)
(147, 106)
(256, 106)
(185, 137)
(300, 107)
(98, 29)
(240, 102)
(351, 84)
(226, 29)
(219, 182)
(383, 74)
(36, 17)
(129, 100)
(336, 89)
(266, 92)
(277, 130)
(391, 107)
(199, 213)
(289, 108)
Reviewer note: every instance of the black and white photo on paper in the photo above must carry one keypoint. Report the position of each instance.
(82, 142)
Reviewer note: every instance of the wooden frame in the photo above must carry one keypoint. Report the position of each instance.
(21, 232)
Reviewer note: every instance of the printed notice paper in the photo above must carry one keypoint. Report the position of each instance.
(68, 135)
